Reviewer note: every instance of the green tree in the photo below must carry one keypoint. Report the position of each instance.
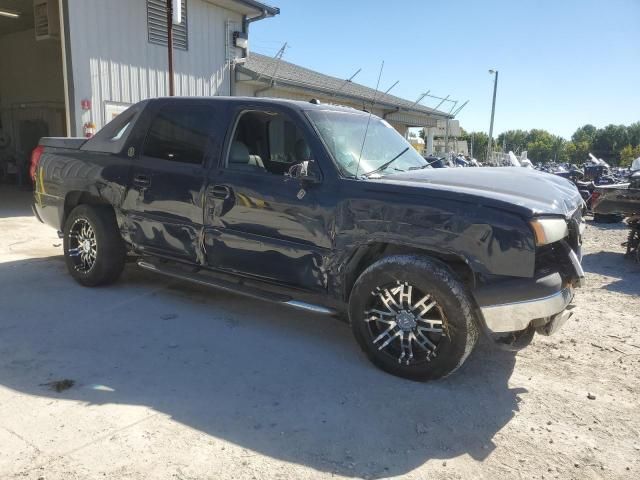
(585, 133)
(539, 151)
(614, 143)
(628, 154)
(633, 132)
(609, 141)
(480, 142)
(577, 152)
(542, 146)
(514, 140)
(559, 150)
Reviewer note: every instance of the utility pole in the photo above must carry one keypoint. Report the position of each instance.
(446, 139)
(472, 135)
(493, 111)
(170, 45)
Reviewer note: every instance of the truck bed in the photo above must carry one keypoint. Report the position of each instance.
(71, 143)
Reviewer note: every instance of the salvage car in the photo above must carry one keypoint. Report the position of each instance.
(322, 208)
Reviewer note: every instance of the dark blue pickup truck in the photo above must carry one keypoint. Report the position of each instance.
(322, 208)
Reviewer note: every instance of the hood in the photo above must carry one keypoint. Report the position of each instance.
(524, 190)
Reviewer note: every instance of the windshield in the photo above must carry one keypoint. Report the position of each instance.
(384, 151)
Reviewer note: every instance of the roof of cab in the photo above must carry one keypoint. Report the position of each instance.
(297, 104)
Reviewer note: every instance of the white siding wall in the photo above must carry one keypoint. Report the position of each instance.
(112, 60)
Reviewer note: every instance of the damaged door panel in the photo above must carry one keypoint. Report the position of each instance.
(254, 208)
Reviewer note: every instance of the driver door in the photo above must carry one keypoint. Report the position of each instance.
(259, 221)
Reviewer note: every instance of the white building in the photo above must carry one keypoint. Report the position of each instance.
(262, 76)
(69, 65)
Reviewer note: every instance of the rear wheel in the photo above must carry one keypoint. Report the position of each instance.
(93, 248)
(412, 317)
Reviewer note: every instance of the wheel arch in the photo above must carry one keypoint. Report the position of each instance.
(366, 255)
(75, 198)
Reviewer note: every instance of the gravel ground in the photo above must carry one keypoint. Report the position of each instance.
(176, 382)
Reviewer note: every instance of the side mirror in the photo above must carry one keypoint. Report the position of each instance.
(303, 172)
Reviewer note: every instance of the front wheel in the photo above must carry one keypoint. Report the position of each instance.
(93, 248)
(412, 317)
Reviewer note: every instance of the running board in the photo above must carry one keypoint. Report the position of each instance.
(247, 291)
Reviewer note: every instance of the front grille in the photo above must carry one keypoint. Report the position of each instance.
(575, 237)
(548, 257)
(555, 257)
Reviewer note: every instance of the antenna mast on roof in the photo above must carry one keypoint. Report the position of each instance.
(389, 89)
(344, 84)
(420, 98)
(443, 100)
(460, 108)
(278, 58)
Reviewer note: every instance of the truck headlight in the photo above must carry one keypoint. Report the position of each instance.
(549, 230)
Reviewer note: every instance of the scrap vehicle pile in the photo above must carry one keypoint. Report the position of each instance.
(611, 195)
(623, 199)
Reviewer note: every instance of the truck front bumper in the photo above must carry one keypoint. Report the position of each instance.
(543, 301)
(516, 316)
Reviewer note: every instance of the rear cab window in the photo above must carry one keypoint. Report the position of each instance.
(180, 133)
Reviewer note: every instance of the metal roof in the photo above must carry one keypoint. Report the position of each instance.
(268, 69)
(247, 7)
(261, 6)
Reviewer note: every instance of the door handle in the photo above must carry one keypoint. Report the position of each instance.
(142, 180)
(220, 191)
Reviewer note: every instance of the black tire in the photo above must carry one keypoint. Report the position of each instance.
(109, 257)
(430, 278)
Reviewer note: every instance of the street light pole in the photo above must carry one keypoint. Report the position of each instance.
(472, 135)
(493, 111)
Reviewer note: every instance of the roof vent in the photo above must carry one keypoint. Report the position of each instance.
(315, 101)
(46, 19)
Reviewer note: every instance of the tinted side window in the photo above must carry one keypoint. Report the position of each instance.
(267, 142)
(180, 133)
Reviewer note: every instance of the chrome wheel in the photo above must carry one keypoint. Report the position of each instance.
(83, 248)
(409, 331)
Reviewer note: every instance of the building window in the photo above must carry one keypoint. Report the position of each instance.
(157, 25)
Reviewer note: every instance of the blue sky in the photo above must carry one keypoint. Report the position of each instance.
(562, 63)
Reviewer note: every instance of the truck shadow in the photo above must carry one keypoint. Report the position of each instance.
(282, 383)
(606, 226)
(616, 265)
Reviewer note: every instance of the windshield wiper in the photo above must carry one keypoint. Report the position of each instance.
(386, 164)
(421, 167)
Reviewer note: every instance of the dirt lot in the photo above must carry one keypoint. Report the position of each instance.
(173, 382)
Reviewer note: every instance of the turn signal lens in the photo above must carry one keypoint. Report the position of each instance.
(549, 230)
